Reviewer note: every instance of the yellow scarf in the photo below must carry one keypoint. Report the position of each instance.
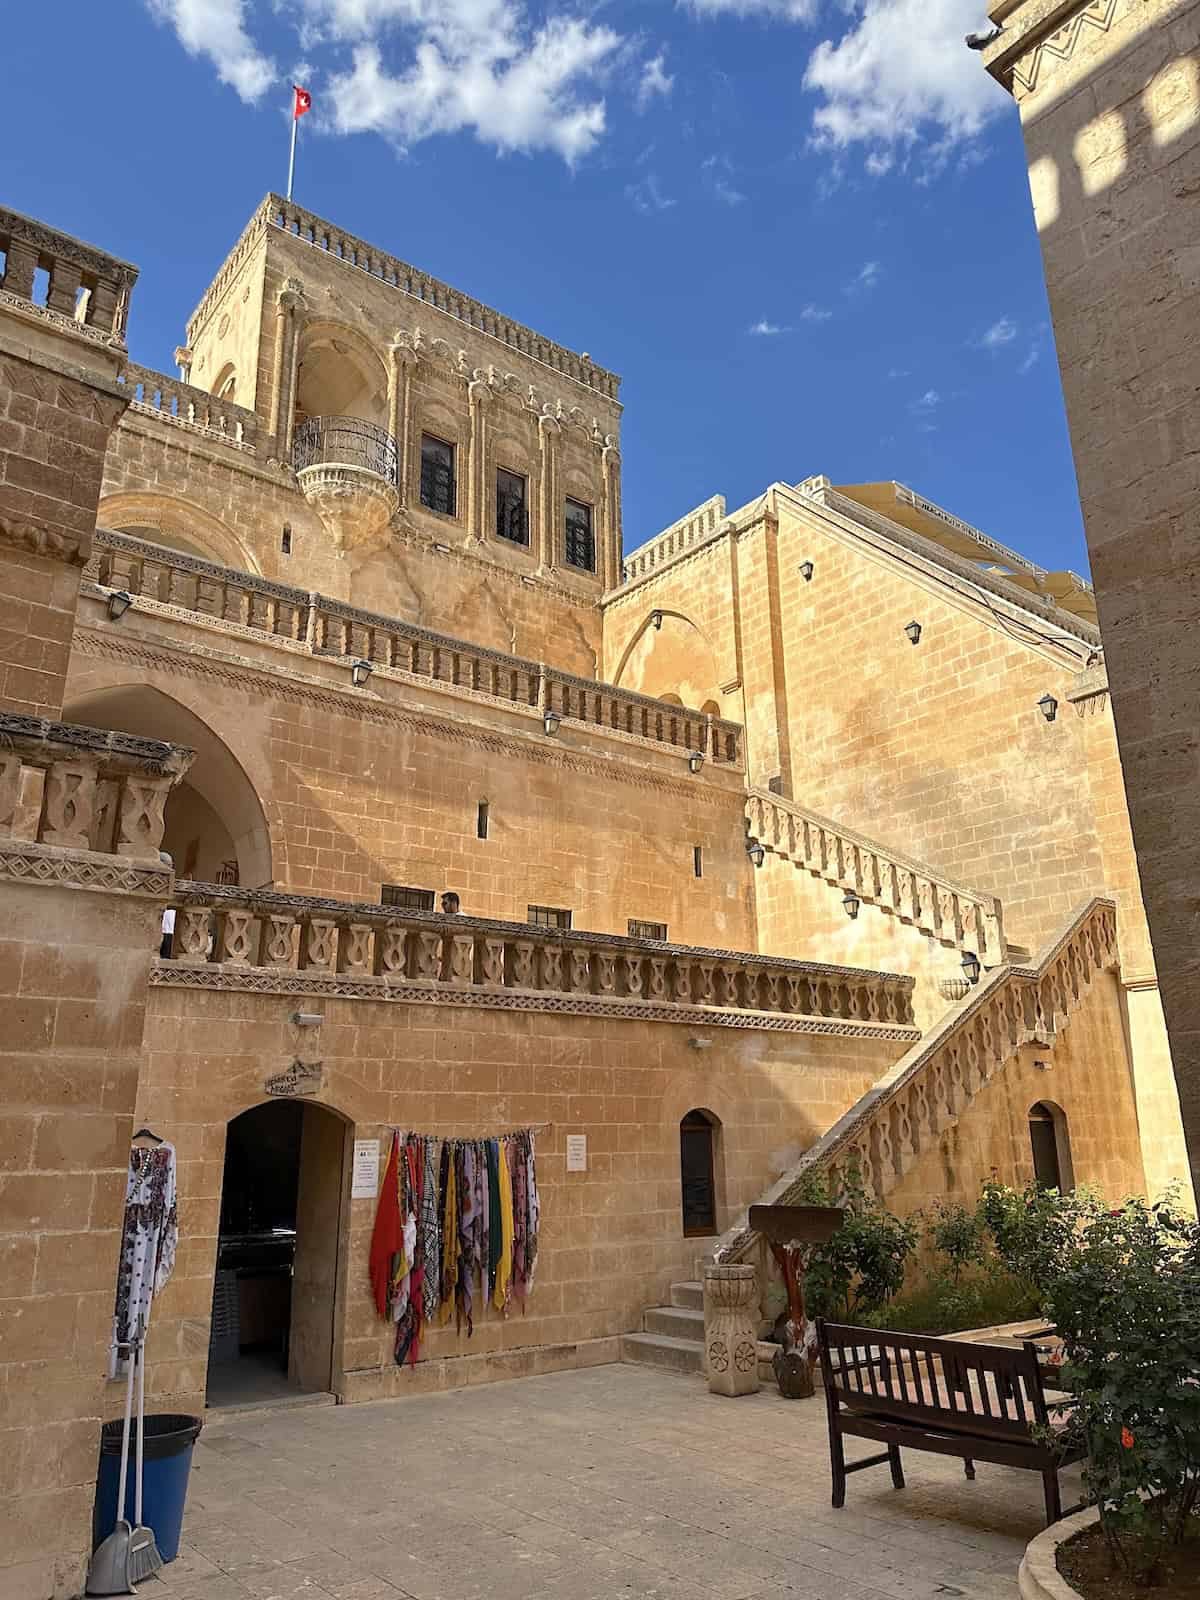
(504, 1265)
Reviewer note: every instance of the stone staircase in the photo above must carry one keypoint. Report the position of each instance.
(672, 1336)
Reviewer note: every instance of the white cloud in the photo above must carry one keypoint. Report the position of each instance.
(865, 278)
(718, 170)
(901, 76)
(811, 313)
(782, 10)
(513, 88)
(1033, 356)
(766, 330)
(929, 401)
(217, 29)
(899, 372)
(655, 82)
(647, 197)
(999, 334)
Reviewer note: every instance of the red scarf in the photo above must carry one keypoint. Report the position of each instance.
(387, 1240)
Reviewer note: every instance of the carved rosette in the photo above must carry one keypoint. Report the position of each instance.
(730, 1329)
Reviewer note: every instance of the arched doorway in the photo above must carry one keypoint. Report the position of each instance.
(1051, 1143)
(215, 828)
(276, 1292)
(699, 1172)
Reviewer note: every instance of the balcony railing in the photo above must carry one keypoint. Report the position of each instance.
(175, 401)
(233, 934)
(331, 628)
(345, 442)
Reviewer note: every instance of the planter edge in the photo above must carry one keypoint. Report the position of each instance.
(1038, 1577)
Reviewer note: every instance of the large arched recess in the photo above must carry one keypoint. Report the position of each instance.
(216, 782)
(669, 654)
(167, 520)
(341, 374)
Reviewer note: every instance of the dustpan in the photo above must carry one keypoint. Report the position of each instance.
(109, 1572)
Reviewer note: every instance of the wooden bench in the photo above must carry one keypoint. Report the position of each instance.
(981, 1402)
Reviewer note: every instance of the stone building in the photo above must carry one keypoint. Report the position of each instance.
(796, 836)
(1109, 95)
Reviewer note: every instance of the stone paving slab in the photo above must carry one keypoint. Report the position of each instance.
(610, 1483)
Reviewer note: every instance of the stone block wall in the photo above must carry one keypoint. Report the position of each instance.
(611, 1237)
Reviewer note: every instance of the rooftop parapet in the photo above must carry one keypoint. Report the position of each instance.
(71, 266)
(308, 228)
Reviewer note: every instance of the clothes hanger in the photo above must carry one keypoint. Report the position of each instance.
(145, 1133)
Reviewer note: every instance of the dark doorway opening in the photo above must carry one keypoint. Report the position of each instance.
(1051, 1147)
(697, 1172)
(275, 1288)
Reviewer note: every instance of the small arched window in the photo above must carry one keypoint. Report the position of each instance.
(710, 708)
(226, 382)
(698, 1134)
(1051, 1143)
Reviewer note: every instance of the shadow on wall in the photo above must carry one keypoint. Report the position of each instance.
(671, 658)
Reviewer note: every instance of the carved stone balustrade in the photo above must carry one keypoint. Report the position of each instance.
(175, 401)
(909, 890)
(85, 285)
(85, 788)
(331, 628)
(230, 937)
(905, 1114)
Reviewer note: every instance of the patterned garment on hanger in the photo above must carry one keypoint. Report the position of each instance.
(148, 1239)
(431, 1237)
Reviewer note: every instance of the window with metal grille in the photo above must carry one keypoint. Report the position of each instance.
(512, 516)
(405, 898)
(580, 546)
(647, 930)
(550, 916)
(481, 820)
(698, 860)
(437, 475)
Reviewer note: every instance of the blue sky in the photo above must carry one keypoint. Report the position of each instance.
(799, 229)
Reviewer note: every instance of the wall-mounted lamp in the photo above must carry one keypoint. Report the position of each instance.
(1042, 1066)
(970, 966)
(695, 761)
(850, 904)
(307, 1019)
(656, 619)
(551, 721)
(700, 1044)
(119, 603)
(913, 631)
(442, 549)
(757, 852)
(360, 672)
(806, 571)
(1048, 706)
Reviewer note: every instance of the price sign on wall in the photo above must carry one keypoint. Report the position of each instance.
(364, 1183)
(577, 1152)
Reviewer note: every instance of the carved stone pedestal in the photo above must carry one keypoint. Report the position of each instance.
(731, 1329)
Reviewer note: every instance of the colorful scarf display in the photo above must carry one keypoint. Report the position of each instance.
(454, 1216)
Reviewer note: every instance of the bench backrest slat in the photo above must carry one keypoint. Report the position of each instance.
(983, 1389)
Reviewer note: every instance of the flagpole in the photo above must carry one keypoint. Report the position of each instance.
(292, 156)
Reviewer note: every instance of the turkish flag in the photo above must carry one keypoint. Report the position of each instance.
(303, 101)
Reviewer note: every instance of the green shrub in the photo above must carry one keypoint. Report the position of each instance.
(861, 1267)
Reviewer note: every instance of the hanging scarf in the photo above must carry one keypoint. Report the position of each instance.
(431, 1237)
(504, 1261)
(495, 1227)
(450, 1238)
(520, 1219)
(533, 1226)
(387, 1237)
(410, 1320)
(463, 1298)
(149, 1234)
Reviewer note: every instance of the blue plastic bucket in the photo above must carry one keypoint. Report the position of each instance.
(170, 1439)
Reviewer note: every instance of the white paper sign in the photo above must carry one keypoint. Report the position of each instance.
(577, 1152)
(364, 1185)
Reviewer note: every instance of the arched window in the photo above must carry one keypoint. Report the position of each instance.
(699, 1133)
(710, 708)
(226, 382)
(1051, 1144)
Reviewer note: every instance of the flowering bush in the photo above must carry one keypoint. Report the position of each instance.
(861, 1267)
(1123, 1289)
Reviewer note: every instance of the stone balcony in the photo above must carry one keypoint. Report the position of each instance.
(178, 588)
(346, 469)
(266, 942)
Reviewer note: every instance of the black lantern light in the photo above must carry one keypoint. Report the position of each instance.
(119, 603)
(695, 761)
(756, 851)
(913, 630)
(656, 618)
(360, 672)
(1048, 706)
(806, 571)
(850, 904)
(970, 966)
(551, 721)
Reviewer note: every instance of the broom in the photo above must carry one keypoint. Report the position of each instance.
(108, 1572)
(144, 1557)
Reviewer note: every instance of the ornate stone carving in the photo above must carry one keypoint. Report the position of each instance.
(73, 548)
(140, 815)
(26, 862)
(730, 1329)
(70, 798)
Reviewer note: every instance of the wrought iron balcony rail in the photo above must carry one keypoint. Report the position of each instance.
(345, 441)
(265, 936)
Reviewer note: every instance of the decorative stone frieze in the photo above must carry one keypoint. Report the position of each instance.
(72, 265)
(730, 1329)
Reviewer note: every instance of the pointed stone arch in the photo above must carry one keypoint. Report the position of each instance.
(670, 653)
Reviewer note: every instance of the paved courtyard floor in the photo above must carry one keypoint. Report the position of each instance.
(612, 1483)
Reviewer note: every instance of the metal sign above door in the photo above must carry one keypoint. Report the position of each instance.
(302, 1077)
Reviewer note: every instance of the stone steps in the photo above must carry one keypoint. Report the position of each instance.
(672, 1336)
